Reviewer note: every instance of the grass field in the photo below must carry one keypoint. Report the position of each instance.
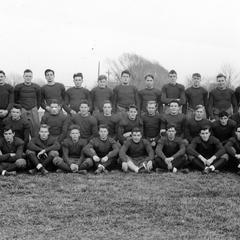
(120, 206)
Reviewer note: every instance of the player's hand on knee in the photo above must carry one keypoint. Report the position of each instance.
(104, 159)
(74, 167)
(149, 166)
(96, 158)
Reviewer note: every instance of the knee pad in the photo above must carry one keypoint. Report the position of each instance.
(57, 161)
(53, 153)
(21, 163)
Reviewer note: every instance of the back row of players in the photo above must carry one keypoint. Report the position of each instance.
(148, 129)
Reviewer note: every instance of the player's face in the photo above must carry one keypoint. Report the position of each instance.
(50, 77)
(84, 108)
(199, 113)
(103, 133)
(171, 132)
(125, 78)
(102, 83)
(221, 82)
(223, 120)
(196, 81)
(28, 77)
(54, 108)
(43, 133)
(174, 108)
(8, 135)
(205, 134)
(136, 137)
(151, 108)
(75, 134)
(172, 78)
(78, 81)
(238, 133)
(149, 82)
(2, 78)
(107, 109)
(132, 113)
(15, 113)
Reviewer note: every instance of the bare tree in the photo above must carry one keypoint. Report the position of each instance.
(138, 67)
(233, 77)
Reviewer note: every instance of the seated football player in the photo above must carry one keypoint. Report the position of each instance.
(233, 149)
(57, 122)
(223, 128)
(174, 118)
(136, 154)
(127, 123)
(206, 152)
(19, 125)
(11, 151)
(108, 118)
(102, 151)
(151, 123)
(170, 151)
(194, 124)
(42, 152)
(86, 122)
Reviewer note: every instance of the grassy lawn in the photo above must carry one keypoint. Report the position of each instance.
(120, 206)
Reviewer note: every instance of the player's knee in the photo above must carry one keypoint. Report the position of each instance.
(225, 157)
(53, 154)
(30, 153)
(57, 161)
(21, 163)
(88, 163)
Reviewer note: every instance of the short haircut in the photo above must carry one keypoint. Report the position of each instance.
(223, 114)
(205, 127)
(44, 126)
(101, 77)
(2, 72)
(136, 129)
(151, 102)
(171, 126)
(126, 72)
(74, 127)
(55, 101)
(107, 102)
(132, 106)
(7, 128)
(174, 101)
(196, 75)
(78, 75)
(221, 75)
(103, 126)
(17, 106)
(198, 107)
(27, 71)
(172, 72)
(149, 75)
(49, 70)
(83, 101)
(236, 128)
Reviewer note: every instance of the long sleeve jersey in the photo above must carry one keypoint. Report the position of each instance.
(171, 92)
(6, 148)
(170, 148)
(196, 96)
(135, 150)
(52, 92)
(29, 96)
(87, 124)
(125, 95)
(99, 95)
(207, 149)
(6, 96)
(150, 94)
(58, 125)
(233, 143)
(221, 100)
(72, 149)
(37, 144)
(223, 133)
(102, 148)
(74, 96)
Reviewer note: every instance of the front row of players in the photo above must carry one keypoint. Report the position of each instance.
(103, 153)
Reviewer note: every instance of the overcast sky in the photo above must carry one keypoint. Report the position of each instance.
(72, 36)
